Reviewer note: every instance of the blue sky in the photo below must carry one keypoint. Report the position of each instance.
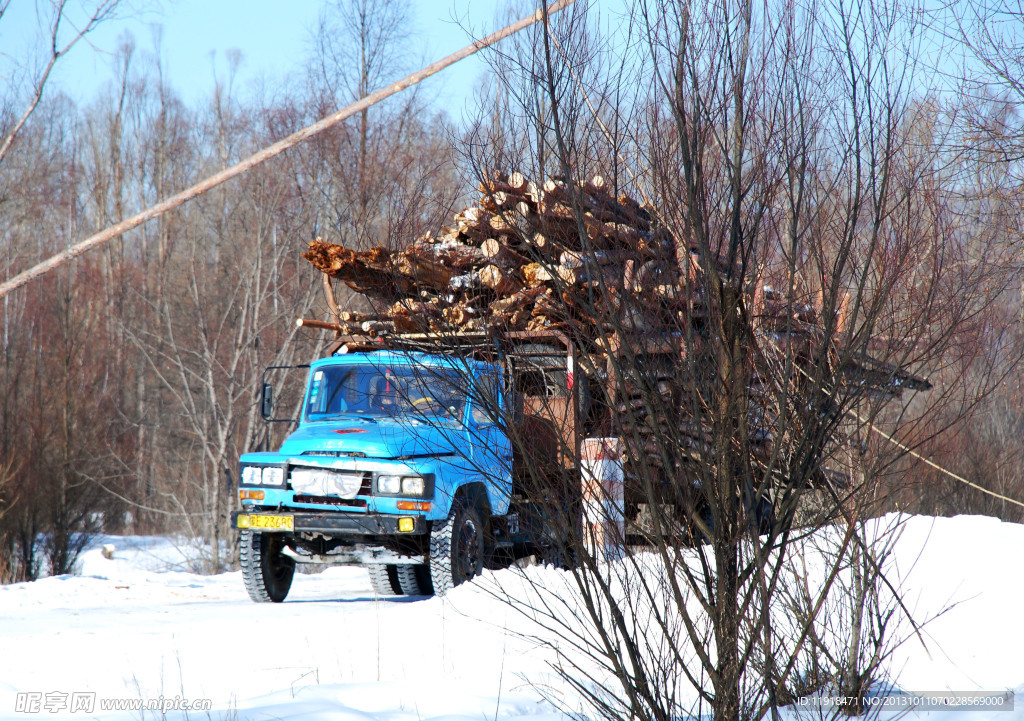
(273, 36)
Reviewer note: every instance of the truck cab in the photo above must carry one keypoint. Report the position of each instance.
(402, 462)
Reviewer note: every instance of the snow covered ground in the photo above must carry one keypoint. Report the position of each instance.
(136, 628)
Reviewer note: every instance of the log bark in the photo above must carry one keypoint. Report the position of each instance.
(340, 328)
(498, 280)
(498, 253)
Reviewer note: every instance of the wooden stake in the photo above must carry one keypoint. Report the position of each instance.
(332, 303)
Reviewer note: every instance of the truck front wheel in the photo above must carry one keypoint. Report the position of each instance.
(266, 571)
(456, 547)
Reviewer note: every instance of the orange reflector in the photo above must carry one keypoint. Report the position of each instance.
(413, 505)
(406, 525)
(247, 495)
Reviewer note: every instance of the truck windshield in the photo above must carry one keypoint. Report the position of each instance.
(382, 392)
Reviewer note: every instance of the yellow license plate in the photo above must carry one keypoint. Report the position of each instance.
(274, 523)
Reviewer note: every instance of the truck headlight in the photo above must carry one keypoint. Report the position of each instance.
(265, 475)
(273, 476)
(389, 484)
(250, 476)
(412, 486)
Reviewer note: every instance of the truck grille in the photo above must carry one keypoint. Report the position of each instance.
(328, 483)
(331, 501)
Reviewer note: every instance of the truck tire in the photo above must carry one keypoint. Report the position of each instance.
(409, 580)
(456, 547)
(560, 557)
(423, 576)
(267, 572)
(383, 579)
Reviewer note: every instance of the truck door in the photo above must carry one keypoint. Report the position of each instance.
(492, 449)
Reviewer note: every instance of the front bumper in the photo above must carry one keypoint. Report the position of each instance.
(338, 524)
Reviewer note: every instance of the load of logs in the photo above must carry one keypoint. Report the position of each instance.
(574, 256)
(528, 256)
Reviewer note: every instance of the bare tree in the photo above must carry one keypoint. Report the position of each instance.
(387, 173)
(987, 59)
(27, 84)
(803, 266)
(226, 294)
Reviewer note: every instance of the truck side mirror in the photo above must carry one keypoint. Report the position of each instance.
(267, 402)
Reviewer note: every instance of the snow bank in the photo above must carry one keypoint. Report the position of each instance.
(138, 626)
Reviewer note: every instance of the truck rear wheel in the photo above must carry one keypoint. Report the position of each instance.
(409, 580)
(266, 571)
(456, 547)
(383, 579)
(423, 576)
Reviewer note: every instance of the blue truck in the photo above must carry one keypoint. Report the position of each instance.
(424, 467)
